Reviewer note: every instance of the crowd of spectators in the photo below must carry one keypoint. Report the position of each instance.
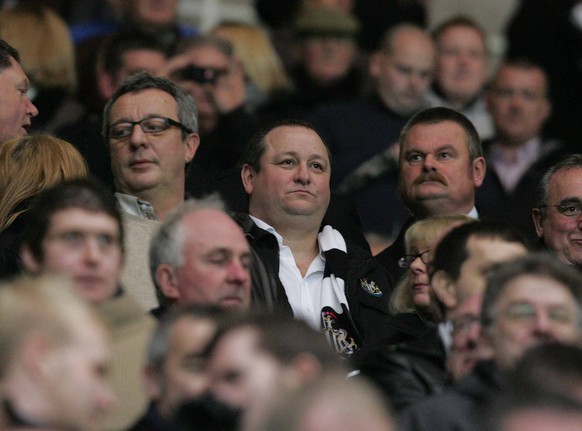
(340, 214)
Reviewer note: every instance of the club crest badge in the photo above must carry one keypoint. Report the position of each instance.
(370, 287)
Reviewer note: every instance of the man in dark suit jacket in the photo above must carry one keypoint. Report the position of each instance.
(440, 165)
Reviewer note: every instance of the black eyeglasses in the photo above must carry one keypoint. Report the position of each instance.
(568, 208)
(150, 125)
(404, 262)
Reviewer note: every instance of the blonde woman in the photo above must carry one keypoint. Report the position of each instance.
(28, 165)
(413, 293)
(262, 66)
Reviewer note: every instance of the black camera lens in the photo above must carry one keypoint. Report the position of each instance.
(201, 75)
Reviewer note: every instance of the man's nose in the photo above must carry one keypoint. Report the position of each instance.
(302, 174)
(31, 109)
(237, 271)
(138, 137)
(429, 163)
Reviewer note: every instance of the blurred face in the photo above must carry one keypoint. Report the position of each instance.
(294, 177)
(483, 253)
(461, 63)
(518, 103)
(404, 75)
(183, 376)
(562, 233)
(204, 57)
(242, 375)
(138, 60)
(153, 12)
(84, 245)
(328, 58)
(145, 163)
(467, 348)
(216, 265)
(531, 310)
(16, 109)
(436, 175)
(80, 392)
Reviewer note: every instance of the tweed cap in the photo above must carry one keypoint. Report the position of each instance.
(326, 22)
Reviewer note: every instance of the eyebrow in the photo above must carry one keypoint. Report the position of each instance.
(571, 200)
(446, 146)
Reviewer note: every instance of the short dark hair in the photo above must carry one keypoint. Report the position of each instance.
(186, 107)
(282, 337)
(441, 114)
(550, 367)
(255, 147)
(459, 21)
(7, 51)
(116, 46)
(159, 344)
(452, 252)
(524, 63)
(86, 194)
(537, 264)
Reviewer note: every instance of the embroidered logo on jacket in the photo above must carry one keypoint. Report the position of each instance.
(335, 328)
(370, 287)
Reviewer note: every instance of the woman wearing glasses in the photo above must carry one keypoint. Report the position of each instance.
(411, 363)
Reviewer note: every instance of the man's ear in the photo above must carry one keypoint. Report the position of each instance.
(168, 281)
(191, 145)
(29, 261)
(152, 382)
(479, 169)
(247, 175)
(444, 289)
(538, 219)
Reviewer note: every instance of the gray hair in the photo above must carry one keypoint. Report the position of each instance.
(573, 161)
(167, 245)
(187, 111)
(536, 264)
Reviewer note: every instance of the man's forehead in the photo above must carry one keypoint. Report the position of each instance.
(526, 287)
(439, 133)
(158, 101)
(16, 71)
(294, 139)
(564, 176)
(75, 217)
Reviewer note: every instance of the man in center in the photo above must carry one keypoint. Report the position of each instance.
(334, 286)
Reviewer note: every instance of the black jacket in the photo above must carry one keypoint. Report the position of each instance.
(460, 407)
(408, 366)
(368, 312)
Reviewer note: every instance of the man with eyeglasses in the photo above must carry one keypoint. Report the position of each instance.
(557, 213)
(520, 153)
(150, 125)
(151, 128)
(529, 301)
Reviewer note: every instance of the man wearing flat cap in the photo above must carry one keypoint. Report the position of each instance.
(325, 69)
